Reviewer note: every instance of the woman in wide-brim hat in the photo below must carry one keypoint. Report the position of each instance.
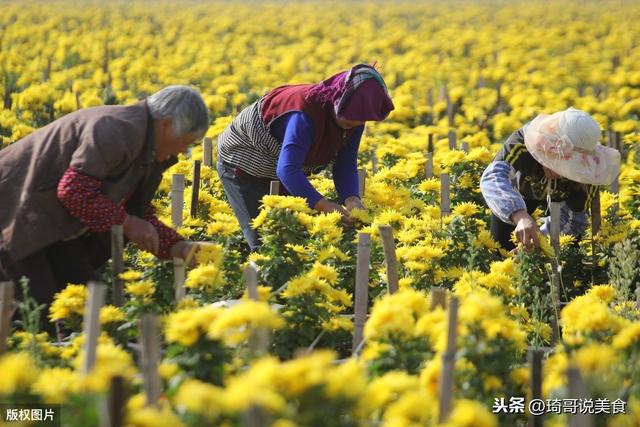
(297, 130)
(555, 158)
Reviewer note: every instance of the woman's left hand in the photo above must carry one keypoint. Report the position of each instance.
(353, 202)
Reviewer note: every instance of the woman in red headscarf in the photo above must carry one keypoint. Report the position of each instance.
(297, 130)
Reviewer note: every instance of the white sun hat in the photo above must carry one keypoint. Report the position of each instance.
(567, 143)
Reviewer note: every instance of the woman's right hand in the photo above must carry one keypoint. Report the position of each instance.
(526, 229)
(141, 233)
(325, 205)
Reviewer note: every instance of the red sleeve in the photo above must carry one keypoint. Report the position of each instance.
(168, 236)
(82, 196)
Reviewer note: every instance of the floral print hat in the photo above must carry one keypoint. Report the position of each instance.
(567, 143)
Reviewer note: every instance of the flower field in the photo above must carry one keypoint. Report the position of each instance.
(467, 73)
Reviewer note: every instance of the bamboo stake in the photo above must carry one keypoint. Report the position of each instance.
(179, 277)
(596, 221)
(535, 356)
(150, 357)
(195, 188)
(207, 151)
(374, 160)
(554, 232)
(251, 280)
(554, 229)
(259, 339)
(438, 297)
(254, 417)
(7, 290)
(386, 233)
(361, 289)
(91, 324)
(578, 390)
(450, 109)
(113, 409)
(452, 140)
(117, 264)
(448, 361)
(177, 199)
(274, 188)
(362, 175)
(445, 198)
(428, 166)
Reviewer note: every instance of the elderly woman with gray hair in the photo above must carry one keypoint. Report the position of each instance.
(63, 187)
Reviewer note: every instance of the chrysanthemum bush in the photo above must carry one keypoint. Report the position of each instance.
(285, 359)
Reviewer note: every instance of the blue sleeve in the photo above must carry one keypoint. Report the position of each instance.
(571, 222)
(496, 188)
(345, 168)
(295, 130)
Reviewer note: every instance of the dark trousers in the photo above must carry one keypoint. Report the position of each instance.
(501, 231)
(244, 193)
(50, 270)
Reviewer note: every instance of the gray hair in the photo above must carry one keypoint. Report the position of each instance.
(184, 105)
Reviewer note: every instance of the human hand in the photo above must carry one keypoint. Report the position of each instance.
(526, 229)
(325, 205)
(142, 233)
(353, 202)
(186, 250)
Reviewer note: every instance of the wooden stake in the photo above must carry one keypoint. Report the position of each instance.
(445, 199)
(251, 280)
(386, 233)
(150, 357)
(438, 297)
(615, 189)
(428, 166)
(452, 140)
(596, 215)
(259, 339)
(554, 229)
(448, 362)
(430, 143)
(451, 110)
(195, 188)
(535, 356)
(254, 417)
(442, 96)
(555, 327)
(207, 151)
(578, 390)
(179, 277)
(177, 199)
(596, 221)
(114, 404)
(117, 264)
(91, 324)
(362, 175)
(430, 99)
(374, 160)
(274, 188)
(465, 147)
(7, 291)
(499, 97)
(554, 232)
(361, 289)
